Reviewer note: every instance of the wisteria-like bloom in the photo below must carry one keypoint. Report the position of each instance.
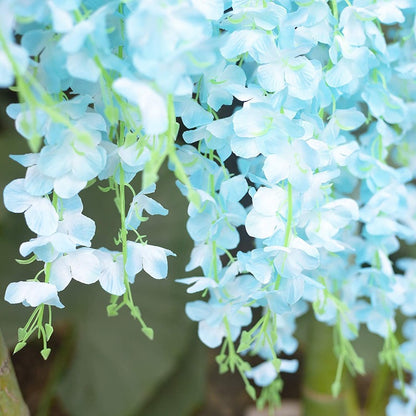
(298, 120)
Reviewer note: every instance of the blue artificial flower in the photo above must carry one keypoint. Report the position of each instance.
(40, 214)
(265, 373)
(142, 202)
(111, 274)
(350, 64)
(257, 263)
(180, 48)
(268, 214)
(17, 52)
(218, 84)
(33, 294)
(192, 113)
(151, 259)
(74, 229)
(202, 256)
(211, 327)
(383, 104)
(152, 105)
(262, 129)
(296, 162)
(212, 9)
(218, 219)
(81, 265)
(328, 220)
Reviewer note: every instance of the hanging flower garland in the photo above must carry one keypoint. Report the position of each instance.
(322, 104)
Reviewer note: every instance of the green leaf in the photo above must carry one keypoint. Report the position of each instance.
(251, 391)
(21, 332)
(19, 346)
(48, 331)
(112, 310)
(45, 353)
(148, 332)
(220, 358)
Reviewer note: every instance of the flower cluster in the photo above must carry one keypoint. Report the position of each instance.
(315, 103)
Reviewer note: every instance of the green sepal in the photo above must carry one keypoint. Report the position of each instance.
(220, 358)
(112, 310)
(245, 342)
(45, 353)
(244, 366)
(48, 331)
(21, 333)
(90, 183)
(19, 346)
(148, 332)
(251, 391)
(223, 368)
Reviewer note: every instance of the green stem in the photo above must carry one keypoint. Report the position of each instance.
(334, 7)
(289, 214)
(11, 399)
(123, 230)
(180, 173)
(319, 372)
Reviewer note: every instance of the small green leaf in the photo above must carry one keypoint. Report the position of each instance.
(45, 353)
(19, 346)
(242, 347)
(90, 183)
(48, 331)
(112, 310)
(251, 391)
(148, 332)
(220, 358)
(244, 366)
(21, 333)
(223, 368)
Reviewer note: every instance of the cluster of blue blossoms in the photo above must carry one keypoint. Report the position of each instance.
(322, 100)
